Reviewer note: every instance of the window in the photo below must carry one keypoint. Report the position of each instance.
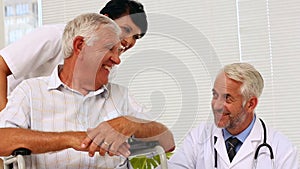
(9, 11)
(21, 16)
(22, 9)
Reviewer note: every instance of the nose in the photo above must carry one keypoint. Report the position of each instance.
(115, 56)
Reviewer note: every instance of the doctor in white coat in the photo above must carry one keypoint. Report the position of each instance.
(235, 96)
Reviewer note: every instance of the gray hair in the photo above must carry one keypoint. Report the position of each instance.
(85, 25)
(251, 79)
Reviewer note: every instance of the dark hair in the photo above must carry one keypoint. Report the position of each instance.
(118, 8)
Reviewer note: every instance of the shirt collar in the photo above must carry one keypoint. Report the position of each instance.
(54, 80)
(55, 83)
(243, 135)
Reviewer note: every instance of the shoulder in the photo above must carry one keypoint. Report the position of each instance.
(34, 84)
(51, 34)
(41, 39)
(44, 33)
(29, 87)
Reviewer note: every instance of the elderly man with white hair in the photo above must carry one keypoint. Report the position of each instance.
(76, 110)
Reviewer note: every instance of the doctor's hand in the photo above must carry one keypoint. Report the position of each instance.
(111, 136)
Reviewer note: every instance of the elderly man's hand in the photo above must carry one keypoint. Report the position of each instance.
(111, 136)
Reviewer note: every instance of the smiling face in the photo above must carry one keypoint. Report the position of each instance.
(130, 32)
(227, 105)
(97, 57)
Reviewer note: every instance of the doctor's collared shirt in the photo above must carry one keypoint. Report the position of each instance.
(242, 136)
(46, 104)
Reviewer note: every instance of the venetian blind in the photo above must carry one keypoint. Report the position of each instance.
(270, 39)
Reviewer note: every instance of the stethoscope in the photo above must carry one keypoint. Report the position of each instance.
(264, 144)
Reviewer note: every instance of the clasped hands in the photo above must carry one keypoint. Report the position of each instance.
(110, 137)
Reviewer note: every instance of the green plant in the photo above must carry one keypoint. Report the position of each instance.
(143, 162)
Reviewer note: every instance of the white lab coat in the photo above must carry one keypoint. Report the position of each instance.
(197, 150)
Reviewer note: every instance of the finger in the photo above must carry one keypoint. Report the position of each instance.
(93, 132)
(92, 149)
(118, 141)
(127, 145)
(98, 140)
(86, 142)
(102, 152)
(111, 153)
(89, 138)
(124, 150)
(105, 146)
(114, 147)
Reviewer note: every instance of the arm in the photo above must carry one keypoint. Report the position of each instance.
(38, 142)
(153, 131)
(118, 130)
(4, 72)
(37, 59)
(16, 114)
(45, 46)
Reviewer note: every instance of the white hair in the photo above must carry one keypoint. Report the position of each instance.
(85, 25)
(251, 79)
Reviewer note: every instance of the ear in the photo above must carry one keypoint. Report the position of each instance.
(252, 103)
(78, 44)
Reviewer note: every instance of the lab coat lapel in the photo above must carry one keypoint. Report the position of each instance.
(220, 147)
(250, 144)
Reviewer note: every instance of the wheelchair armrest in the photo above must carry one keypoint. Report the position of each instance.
(16, 157)
(21, 151)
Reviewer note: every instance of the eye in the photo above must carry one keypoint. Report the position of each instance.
(137, 36)
(228, 98)
(215, 95)
(126, 30)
